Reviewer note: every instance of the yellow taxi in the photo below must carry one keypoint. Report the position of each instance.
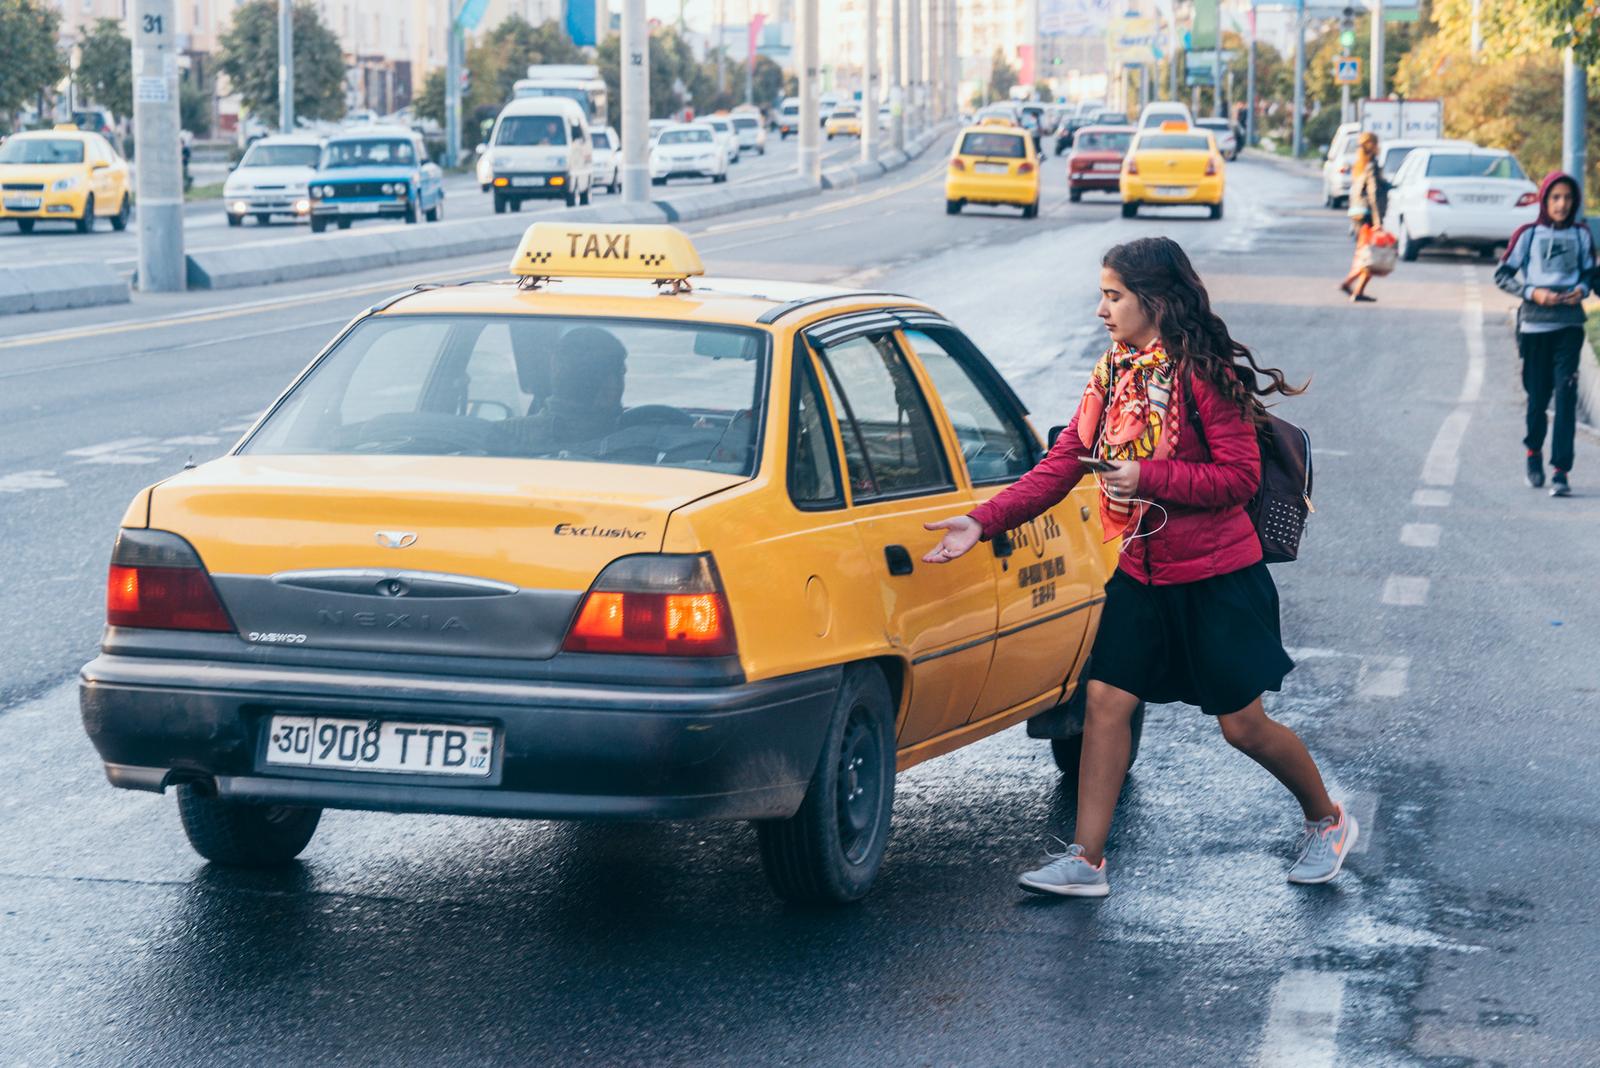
(597, 542)
(66, 174)
(994, 162)
(843, 122)
(1174, 163)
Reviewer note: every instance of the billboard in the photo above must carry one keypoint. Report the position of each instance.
(1074, 18)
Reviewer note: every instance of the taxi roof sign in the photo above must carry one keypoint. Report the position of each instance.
(996, 120)
(598, 250)
(1174, 126)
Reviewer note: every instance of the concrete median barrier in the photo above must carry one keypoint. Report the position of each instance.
(53, 287)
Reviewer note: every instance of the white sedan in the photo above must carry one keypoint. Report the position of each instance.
(726, 135)
(688, 150)
(1471, 197)
(271, 179)
(606, 147)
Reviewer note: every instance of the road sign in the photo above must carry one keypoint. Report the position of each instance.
(471, 14)
(1346, 70)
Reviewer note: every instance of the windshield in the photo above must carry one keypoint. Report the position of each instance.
(844, 113)
(531, 130)
(1007, 146)
(1472, 165)
(281, 156)
(1107, 141)
(1174, 143)
(1156, 118)
(685, 137)
(526, 387)
(367, 153)
(42, 150)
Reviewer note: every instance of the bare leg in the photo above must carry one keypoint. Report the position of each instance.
(1362, 277)
(1107, 738)
(1276, 748)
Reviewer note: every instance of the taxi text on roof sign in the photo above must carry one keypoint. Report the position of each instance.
(561, 250)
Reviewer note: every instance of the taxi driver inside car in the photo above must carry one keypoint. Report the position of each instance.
(641, 542)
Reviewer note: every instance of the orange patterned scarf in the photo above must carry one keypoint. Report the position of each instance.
(1126, 414)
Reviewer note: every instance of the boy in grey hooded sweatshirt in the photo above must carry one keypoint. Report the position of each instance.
(1550, 264)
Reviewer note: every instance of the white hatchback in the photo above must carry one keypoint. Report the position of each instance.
(1471, 197)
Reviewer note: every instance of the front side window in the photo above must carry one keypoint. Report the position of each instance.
(999, 145)
(890, 445)
(994, 443)
(530, 387)
(521, 130)
(367, 154)
(601, 139)
(42, 150)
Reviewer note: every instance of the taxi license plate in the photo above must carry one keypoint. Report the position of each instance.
(527, 181)
(362, 208)
(23, 203)
(1172, 190)
(394, 746)
(992, 168)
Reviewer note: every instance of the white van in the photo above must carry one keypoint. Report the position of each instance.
(1159, 111)
(579, 82)
(540, 147)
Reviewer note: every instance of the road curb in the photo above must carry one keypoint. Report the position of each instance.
(1304, 167)
(56, 286)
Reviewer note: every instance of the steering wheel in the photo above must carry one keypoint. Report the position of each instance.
(420, 431)
(655, 413)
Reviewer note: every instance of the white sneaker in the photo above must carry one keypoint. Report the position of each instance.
(1068, 874)
(1323, 846)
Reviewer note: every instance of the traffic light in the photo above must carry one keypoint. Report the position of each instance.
(1347, 31)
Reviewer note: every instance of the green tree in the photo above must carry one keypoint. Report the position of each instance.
(194, 107)
(672, 63)
(31, 60)
(518, 44)
(105, 71)
(768, 82)
(250, 60)
(1574, 24)
(1002, 76)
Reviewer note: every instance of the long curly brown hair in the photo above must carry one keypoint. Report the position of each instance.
(1159, 275)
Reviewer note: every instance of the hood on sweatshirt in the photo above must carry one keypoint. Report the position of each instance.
(1549, 183)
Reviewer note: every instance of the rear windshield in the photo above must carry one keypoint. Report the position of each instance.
(281, 156)
(1173, 143)
(1156, 118)
(1473, 165)
(531, 130)
(42, 150)
(844, 113)
(685, 137)
(1103, 142)
(746, 122)
(1007, 146)
(600, 139)
(367, 153)
(585, 390)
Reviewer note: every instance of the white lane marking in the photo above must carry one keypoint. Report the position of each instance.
(1472, 326)
(1408, 590)
(110, 446)
(1332, 452)
(1420, 535)
(1444, 456)
(1383, 676)
(1431, 498)
(1303, 1021)
(1364, 807)
(21, 481)
(191, 439)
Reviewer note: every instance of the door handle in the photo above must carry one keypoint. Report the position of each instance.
(899, 559)
(1002, 544)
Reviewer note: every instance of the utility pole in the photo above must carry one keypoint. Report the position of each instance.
(897, 117)
(1250, 83)
(1300, 77)
(722, 67)
(810, 163)
(869, 91)
(452, 85)
(1477, 27)
(935, 64)
(1216, 68)
(1375, 88)
(1575, 83)
(159, 162)
(286, 66)
(914, 66)
(635, 103)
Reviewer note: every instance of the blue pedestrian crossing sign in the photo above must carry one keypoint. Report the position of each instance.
(1346, 70)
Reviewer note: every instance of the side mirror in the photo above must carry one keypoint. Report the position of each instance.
(1050, 438)
(99, 165)
(482, 148)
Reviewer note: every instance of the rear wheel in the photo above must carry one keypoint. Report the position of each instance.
(317, 225)
(86, 224)
(720, 178)
(119, 221)
(25, 225)
(830, 851)
(1409, 248)
(952, 207)
(1075, 195)
(1068, 752)
(344, 224)
(1031, 211)
(1216, 210)
(1129, 210)
(244, 834)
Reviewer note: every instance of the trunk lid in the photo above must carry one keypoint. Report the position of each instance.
(448, 555)
(1159, 164)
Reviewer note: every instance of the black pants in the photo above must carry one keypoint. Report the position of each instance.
(1550, 365)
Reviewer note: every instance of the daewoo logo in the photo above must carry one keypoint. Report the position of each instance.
(396, 539)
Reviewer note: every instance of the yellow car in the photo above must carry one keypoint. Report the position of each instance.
(843, 122)
(66, 174)
(596, 543)
(994, 162)
(1174, 163)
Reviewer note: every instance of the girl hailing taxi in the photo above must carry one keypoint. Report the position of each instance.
(1191, 613)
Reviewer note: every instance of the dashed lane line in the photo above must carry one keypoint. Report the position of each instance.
(1406, 591)
(1383, 676)
(1302, 1027)
(1420, 535)
(1431, 498)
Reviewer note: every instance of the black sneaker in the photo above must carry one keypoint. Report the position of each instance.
(1535, 470)
(1558, 484)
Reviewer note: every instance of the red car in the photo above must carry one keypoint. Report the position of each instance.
(1095, 162)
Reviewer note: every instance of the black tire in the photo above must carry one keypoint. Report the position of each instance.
(514, 203)
(1409, 248)
(344, 224)
(1031, 211)
(235, 220)
(1069, 751)
(952, 207)
(1486, 253)
(119, 221)
(1075, 195)
(1216, 210)
(411, 215)
(1130, 210)
(830, 851)
(25, 225)
(719, 179)
(318, 225)
(584, 197)
(262, 218)
(86, 224)
(658, 181)
(499, 204)
(572, 197)
(242, 834)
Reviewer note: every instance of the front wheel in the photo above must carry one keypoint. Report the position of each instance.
(25, 225)
(262, 218)
(1068, 752)
(318, 225)
(86, 224)
(830, 851)
(1075, 195)
(235, 220)
(119, 221)
(572, 197)
(952, 207)
(411, 210)
(344, 224)
(583, 198)
(1130, 210)
(244, 834)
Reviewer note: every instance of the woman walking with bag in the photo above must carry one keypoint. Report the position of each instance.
(1368, 194)
(1191, 613)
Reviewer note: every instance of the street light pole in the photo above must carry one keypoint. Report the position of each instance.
(1575, 85)
(810, 162)
(158, 161)
(1375, 87)
(1250, 83)
(914, 66)
(286, 66)
(452, 84)
(1300, 77)
(897, 118)
(635, 103)
(869, 92)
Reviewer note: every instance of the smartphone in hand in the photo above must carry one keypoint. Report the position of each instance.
(1095, 463)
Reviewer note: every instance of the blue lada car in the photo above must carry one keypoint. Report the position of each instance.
(379, 171)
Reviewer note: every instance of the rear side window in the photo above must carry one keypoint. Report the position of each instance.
(890, 445)
(1004, 146)
(994, 445)
(813, 469)
(520, 130)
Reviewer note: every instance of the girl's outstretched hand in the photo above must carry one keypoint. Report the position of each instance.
(961, 532)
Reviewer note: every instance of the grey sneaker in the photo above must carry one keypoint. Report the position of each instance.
(1067, 874)
(1323, 846)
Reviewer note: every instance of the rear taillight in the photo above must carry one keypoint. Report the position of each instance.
(1344, 169)
(660, 605)
(1133, 166)
(1025, 168)
(1074, 163)
(1437, 196)
(158, 582)
(957, 165)
(1527, 200)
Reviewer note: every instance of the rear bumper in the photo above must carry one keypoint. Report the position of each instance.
(1178, 191)
(1109, 181)
(997, 190)
(564, 750)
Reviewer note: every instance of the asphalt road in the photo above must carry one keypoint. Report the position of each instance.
(1442, 616)
(205, 226)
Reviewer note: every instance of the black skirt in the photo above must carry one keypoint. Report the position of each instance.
(1213, 643)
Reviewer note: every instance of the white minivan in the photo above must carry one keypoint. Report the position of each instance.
(540, 148)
